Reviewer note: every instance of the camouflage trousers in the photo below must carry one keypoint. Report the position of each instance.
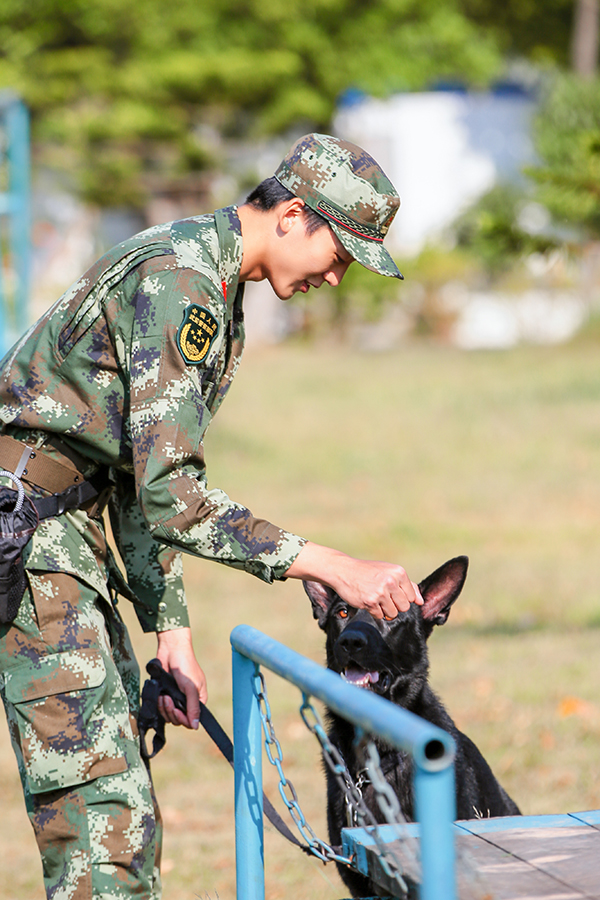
(70, 686)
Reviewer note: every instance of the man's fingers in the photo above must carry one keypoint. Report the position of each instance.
(418, 596)
(193, 706)
(170, 713)
(410, 589)
(398, 603)
(177, 657)
(175, 716)
(408, 592)
(400, 600)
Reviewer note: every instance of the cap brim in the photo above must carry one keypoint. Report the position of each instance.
(370, 254)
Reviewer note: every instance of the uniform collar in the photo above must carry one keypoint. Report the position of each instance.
(229, 231)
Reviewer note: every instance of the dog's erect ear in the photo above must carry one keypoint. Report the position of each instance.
(321, 598)
(440, 589)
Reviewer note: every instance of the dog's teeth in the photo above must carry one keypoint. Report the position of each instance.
(359, 677)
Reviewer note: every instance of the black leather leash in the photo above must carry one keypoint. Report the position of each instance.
(162, 683)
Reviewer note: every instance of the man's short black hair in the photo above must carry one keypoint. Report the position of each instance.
(270, 192)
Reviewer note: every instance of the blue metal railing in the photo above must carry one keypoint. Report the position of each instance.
(431, 749)
(15, 241)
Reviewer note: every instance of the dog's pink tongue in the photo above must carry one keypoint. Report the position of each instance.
(360, 677)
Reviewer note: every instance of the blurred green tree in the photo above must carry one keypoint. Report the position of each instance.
(540, 30)
(123, 92)
(555, 32)
(498, 229)
(567, 139)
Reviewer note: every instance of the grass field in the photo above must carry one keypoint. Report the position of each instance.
(413, 456)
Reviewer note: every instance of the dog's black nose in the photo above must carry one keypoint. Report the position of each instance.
(352, 642)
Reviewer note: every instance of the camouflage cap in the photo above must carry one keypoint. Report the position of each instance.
(348, 188)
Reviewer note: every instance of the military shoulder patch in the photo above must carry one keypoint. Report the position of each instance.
(196, 333)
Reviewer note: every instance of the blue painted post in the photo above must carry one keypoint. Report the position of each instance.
(17, 120)
(435, 803)
(247, 744)
(4, 208)
(3, 321)
(15, 212)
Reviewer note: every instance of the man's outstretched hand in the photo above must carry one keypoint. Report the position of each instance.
(383, 589)
(176, 655)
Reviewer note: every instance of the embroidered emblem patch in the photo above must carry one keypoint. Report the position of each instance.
(196, 334)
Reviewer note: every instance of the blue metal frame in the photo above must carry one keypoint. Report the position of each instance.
(15, 218)
(431, 749)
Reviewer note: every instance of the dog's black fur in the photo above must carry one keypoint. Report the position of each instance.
(390, 658)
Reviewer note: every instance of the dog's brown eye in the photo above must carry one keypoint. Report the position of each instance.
(343, 613)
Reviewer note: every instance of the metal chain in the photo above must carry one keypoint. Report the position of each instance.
(388, 803)
(391, 865)
(318, 847)
(351, 791)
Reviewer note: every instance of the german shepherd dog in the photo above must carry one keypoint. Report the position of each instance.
(389, 657)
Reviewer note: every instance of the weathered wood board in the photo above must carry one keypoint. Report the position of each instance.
(516, 858)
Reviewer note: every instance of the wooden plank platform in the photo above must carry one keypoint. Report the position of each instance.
(515, 858)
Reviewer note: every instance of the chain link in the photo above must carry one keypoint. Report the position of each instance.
(318, 847)
(359, 813)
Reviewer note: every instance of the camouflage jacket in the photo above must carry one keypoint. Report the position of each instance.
(129, 367)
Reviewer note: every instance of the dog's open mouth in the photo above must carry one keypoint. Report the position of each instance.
(363, 678)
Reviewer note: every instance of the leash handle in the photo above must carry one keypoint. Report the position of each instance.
(167, 684)
(160, 683)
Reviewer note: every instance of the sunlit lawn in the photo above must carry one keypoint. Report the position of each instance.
(415, 456)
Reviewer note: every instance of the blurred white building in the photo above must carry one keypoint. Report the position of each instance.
(442, 150)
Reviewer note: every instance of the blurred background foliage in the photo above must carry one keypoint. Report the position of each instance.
(510, 221)
(567, 132)
(132, 102)
(539, 31)
(125, 96)
(122, 95)
(504, 226)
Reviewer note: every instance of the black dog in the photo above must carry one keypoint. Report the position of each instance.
(390, 659)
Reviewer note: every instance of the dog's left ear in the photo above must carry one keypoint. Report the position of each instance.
(440, 589)
(321, 598)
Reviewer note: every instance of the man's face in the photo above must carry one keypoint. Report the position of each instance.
(302, 261)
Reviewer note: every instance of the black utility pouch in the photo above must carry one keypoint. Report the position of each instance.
(18, 520)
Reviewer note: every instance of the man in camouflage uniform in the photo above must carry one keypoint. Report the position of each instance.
(117, 384)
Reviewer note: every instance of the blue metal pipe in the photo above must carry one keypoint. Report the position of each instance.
(431, 748)
(435, 807)
(247, 761)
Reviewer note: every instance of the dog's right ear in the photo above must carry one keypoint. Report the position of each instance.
(321, 598)
(440, 589)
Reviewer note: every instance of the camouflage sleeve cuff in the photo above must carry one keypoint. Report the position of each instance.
(166, 617)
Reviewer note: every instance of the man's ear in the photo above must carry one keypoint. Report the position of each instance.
(290, 213)
(321, 598)
(440, 589)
